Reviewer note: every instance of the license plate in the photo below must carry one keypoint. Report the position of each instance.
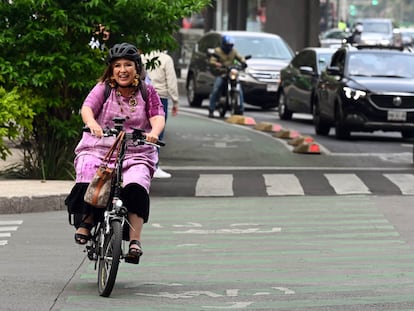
(396, 115)
(271, 88)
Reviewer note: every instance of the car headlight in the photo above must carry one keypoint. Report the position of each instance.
(354, 94)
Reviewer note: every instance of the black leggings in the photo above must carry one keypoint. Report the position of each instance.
(134, 196)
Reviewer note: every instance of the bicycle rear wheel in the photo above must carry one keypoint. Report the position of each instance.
(109, 259)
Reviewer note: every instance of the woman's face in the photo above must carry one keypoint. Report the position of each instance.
(124, 71)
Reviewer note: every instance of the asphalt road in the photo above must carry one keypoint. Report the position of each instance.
(288, 253)
(246, 250)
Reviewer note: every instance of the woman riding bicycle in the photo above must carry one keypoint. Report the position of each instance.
(140, 105)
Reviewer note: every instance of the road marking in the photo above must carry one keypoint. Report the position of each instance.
(285, 290)
(280, 168)
(233, 305)
(6, 226)
(221, 185)
(347, 184)
(282, 184)
(405, 182)
(14, 228)
(10, 222)
(214, 185)
(229, 231)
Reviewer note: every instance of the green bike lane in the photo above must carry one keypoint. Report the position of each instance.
(284, 253)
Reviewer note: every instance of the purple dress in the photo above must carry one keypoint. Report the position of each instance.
(140, 161)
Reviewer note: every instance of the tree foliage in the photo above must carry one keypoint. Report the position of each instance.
(47, 66)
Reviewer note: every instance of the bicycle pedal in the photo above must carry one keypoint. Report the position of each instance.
(132, 259)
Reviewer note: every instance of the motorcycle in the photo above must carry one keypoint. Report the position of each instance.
(229, 99)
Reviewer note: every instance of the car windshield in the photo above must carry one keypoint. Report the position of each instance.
(382, 64)
(269, 48)
(377, 27)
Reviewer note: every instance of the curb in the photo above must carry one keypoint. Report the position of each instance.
(30, 196)
(26, 204)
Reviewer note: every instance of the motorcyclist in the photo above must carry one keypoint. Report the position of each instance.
(223, 56)
(355, 37)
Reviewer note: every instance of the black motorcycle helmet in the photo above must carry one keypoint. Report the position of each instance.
(124, 50)
(227, 43)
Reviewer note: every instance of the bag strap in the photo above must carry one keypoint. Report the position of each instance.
(115, 146)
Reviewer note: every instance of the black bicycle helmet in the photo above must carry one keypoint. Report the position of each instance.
(124, 50)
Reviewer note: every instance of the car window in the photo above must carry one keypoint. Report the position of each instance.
(337, 35)
(377, 26)
(323, 60)
(208, 41)
(301, 59)
(273, 48)
(382, 64)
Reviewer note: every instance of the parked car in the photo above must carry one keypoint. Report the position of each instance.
(333, 38)
(299, 79)
(366, 89)
(260, 81)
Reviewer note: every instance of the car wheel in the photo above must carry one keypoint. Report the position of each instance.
(407, 134)
(194, 100)
(341, 132)
(321, 127)
(284, 112)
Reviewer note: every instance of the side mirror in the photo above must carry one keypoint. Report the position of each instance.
(307, 70)
(334, 71)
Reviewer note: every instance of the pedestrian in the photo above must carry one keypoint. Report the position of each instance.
(224, 55)
(130, 97)
(164, 80)
(342, 25)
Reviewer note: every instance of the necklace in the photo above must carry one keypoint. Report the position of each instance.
(132, 102)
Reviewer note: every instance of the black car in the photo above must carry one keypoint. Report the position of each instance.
(299, 79)
(260, 81)
(366, 89)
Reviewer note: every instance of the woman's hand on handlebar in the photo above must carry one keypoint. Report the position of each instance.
(151, 137)
(96, 130)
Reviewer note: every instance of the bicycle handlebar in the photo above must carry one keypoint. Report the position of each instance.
(137, 136)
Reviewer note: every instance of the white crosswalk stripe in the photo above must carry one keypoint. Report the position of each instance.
(214, 185)
(5, 227)
(280, 184)
(404, 181)
(347, 184)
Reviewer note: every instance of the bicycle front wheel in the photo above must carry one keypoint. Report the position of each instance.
(109, 259)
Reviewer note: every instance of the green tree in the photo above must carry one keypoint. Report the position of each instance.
(47, 66)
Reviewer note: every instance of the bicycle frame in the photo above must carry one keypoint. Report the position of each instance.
(105, 246)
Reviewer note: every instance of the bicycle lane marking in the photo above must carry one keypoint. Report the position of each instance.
(222, 254)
